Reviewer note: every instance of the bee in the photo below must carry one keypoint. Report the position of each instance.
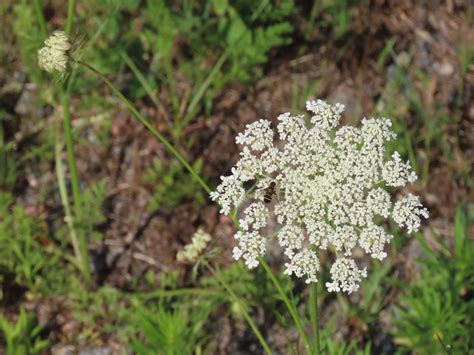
(268, 192)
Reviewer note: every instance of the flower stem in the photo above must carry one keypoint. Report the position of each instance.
(242, 309)
(64, 198)
(67, 124)
(314, 315)
(78, 240)
(70, 16)
(291, 307)
(83, 259)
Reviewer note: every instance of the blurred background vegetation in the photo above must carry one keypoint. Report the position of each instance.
(201, 70)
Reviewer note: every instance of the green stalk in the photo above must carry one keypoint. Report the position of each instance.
(314, 315)
(242, 309)
(3, 157)
(61, 176)
(289, 305)
(76, 193)
(70, 16)
(82, 254)
(71, 158)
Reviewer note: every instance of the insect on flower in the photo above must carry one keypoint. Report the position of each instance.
(269, 192)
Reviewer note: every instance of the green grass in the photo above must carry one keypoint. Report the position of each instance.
(436, 311)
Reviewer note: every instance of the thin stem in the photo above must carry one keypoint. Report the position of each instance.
(64, 198)
(71, 158)
(76, 194)
(70, 16)
(150, 127)
(314, 315)
(72, 165)
(242, 309)
(289, 305)
(3, 156)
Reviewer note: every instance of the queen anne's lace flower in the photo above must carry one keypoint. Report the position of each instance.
(326, 192)
(54, 56)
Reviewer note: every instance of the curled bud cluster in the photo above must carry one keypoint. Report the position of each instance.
(195, 249)
(54, 56)
(325, 186)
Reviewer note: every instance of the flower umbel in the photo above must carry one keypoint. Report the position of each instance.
(328, 186)
(54, 56)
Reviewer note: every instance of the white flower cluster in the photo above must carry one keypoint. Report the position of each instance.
(324, 185)
(54, 56)
(192, 251)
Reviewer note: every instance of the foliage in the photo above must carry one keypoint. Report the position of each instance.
(172, 185)
(248, 32)
(421, 126)
(91, 203)
(29, 37)
(241, 281)
(374, 293)
(9, 164)
(330, 15)
(23, 337)
(228, 42)
(106, 306)
(436, 313)
(331, 346)
(26, 251)
(177, 328)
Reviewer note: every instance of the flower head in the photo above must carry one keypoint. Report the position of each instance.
(54, 55)
(327, 186)
(195, 249)
(345, 275)
(407, 212)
